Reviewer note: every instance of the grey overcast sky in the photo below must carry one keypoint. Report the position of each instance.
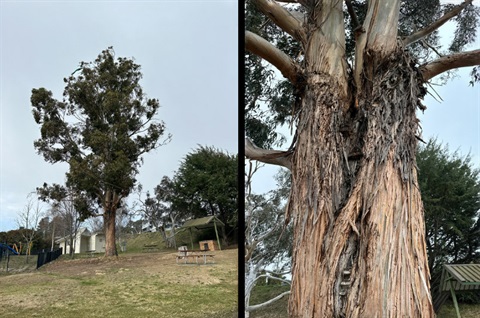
(189, 58)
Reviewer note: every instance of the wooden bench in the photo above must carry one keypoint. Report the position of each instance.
(150, 248)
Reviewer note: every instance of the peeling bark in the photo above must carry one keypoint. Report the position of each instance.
(355, 203)
(359, 237)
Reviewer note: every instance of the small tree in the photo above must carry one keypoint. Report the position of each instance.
(165, 207)
(266, 238)
(101, 129)
(28, 219)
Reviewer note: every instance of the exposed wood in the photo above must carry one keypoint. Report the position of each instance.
(325, 51)
(362, 217)
(282, 18)
(380, 35)
(275, 157)
(449, 62)
(434, 26)
(261, 47)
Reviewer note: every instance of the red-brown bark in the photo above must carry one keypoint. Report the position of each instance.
(109, 225)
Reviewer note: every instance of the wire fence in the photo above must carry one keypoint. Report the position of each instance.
(11, 262)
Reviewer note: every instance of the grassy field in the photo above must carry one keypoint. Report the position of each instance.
(134, 285)
(279, 308)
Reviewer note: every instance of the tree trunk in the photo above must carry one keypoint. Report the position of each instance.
(359, 239)
(109, 221)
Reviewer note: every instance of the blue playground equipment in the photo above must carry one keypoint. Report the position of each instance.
(5, 246)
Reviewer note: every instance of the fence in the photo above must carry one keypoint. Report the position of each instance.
(46, 257)
(11, 262)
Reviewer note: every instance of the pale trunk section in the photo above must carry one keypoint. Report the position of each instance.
(359, 245)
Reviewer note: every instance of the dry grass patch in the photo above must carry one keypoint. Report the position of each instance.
(134, 285)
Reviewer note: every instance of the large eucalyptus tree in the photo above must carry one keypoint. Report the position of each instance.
(101, 128)
(356, 72)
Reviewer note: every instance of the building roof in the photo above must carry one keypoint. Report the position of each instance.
(203, 223)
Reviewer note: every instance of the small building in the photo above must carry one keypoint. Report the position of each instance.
(84, 241)
(201, 224)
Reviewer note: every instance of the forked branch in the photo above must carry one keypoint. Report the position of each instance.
(261, 47)
(282, 18)
(449, 62)
(435, 25)
(275, 157)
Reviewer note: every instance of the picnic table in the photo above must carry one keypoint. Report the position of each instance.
(194, 254)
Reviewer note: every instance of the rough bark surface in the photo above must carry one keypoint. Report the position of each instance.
(109, 223)
(359, 245)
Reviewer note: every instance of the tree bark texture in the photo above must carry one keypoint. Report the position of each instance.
(109, 224)
(359, 237)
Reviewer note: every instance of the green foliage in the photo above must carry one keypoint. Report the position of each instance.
(101, 128)
(206, 184)
(467, 26)
(18, 237)
(450, 189)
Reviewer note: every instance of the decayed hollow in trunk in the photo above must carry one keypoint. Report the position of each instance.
(355, 203)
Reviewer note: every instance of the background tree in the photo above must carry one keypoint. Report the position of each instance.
(267, 239)
(355, 74)
(49, 227)
(64, 208)
(165, 209)
(28, 220)
(101, 129)
(450, 189)
(206, 183)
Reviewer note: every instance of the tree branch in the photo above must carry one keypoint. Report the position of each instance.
(435, 25)
(273, 277)
(275, 157)
(261, 47)
(445, 63)
(282, 18)
(255, 307)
